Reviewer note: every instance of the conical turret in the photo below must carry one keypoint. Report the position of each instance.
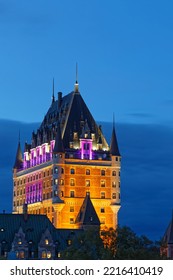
(114, 150)
(18, 160)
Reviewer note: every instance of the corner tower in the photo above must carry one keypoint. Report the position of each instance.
(68, 160)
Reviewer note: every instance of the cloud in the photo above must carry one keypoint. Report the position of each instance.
(146, 172)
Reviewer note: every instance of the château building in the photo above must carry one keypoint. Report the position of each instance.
(68, 161)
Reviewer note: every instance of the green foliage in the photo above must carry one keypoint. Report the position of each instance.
(86, 246)
(120, 244)
(124, 244)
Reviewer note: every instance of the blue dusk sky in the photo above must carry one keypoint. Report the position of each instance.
(124, 51)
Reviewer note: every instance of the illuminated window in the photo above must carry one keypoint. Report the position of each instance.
(62, 182)
(69, 242)
(72, 171)
(55, 193)
(59, 255)
(87, 183)
(72, 182)
(49, 255)
(87, 172)
(114, 184)
(103, 172)
(114, 173)
(56, 170)
(103, 183)
(19, 241)
(43, 255)
(46, 241)
(71, 220)
(56, 181)
(102, 194)
(21, 255)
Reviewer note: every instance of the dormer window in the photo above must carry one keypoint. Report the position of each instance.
(19, 241)
(46, 241)
(69, 242)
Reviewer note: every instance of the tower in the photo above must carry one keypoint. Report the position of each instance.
(67, 166)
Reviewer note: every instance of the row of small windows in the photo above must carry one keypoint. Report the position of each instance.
(33, 177)
(102, 195)
(87, 183)
(87, 172)
(72, 209)
(72, 171)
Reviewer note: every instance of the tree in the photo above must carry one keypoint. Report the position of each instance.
(124, 244)
(86, 246)
(110, 244)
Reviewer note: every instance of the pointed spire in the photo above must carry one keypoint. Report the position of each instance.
(76, 86)
(114, 144)
(59, 147)
(18, 160)
(53, 95)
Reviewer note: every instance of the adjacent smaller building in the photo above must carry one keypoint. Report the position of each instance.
(167, 242)
(31, 236)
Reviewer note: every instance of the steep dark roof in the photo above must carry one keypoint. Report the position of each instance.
(87, 214)
(78, 115)
(33, 227)
(18, 159)
(114, 144)
(72, 114)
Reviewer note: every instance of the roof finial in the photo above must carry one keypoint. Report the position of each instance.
(76, 74)
(76, 86)
(53, 96)
(113, 120)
